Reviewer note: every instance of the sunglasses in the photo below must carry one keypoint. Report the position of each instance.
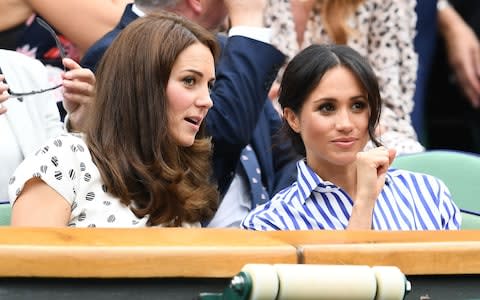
(19, 95)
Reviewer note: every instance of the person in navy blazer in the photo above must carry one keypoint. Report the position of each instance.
(242, 114)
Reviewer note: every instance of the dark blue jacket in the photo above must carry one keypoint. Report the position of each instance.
(242, 113)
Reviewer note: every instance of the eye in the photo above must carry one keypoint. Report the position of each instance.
(189, 81)
(359, 105)
(326, 107)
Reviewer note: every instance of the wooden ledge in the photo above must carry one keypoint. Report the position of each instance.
(221, 253)
(414, 252)
(149, 252)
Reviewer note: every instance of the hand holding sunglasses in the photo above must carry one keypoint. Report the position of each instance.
(19, 95)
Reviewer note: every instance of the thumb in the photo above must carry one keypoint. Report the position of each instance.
(391, 155)
(70, 64)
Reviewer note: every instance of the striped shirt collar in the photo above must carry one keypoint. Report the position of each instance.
(308, 181)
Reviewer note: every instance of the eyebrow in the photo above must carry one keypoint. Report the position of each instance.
(198, 73)
(324, 99)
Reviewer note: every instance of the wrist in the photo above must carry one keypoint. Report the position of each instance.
(246, 20)
(442, 4)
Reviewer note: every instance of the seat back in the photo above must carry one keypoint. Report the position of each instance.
(5, 214)
(460, 171)
(470, 221)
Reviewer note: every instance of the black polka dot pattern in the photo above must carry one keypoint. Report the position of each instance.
(87, 177)
(65, 165)
(90, 196)
(58, 175)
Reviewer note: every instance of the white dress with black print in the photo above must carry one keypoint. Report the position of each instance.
(383, 32)
(65, 164)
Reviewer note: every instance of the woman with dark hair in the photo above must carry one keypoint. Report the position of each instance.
(144, 159)
(381, 30)
(331, 104)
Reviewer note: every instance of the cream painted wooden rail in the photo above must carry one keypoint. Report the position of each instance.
(414, 252)
(149, 252)
(221, 253)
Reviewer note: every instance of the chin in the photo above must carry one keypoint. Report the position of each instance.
(185, 142)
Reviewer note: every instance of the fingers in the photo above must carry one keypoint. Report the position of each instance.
(3, 90)
(70, 64)
(476, 77)
(375, 159)
(392, 153)
(78, 86)
(274, 91)
(3, 95)
(82, 74)
(468, 79)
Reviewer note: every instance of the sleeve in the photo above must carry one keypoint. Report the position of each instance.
(95, 53)
(284, 157)
(450, 213)
(57, 163)
(392, 56)
(244, 76)
(263, 218)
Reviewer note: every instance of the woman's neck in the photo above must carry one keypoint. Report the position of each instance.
(344, 177)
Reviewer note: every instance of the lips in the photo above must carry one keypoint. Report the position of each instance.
(344, 142)
(194, 120)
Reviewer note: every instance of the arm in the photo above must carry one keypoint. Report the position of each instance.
(81, 21)
(245, 73)
(78, 94)
(48, 181)
(284, 157)
(372, 167)
(17, 11)
(3, 94)
(463, 50)
(40, 205)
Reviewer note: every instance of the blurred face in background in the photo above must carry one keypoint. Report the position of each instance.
(214, 14)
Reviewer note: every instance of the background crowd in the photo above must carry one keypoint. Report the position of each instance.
(93, 84)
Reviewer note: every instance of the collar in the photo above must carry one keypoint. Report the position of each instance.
(308, 181)
(137, 11)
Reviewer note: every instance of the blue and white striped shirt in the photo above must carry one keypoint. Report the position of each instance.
(408, 201)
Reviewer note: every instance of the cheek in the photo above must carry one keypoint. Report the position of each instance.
(178, 99)
(314, 129)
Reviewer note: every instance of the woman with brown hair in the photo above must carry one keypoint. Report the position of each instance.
(380, 30)
(144, 159)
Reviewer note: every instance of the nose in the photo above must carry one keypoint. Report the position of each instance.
(344, 121)
(204, 100)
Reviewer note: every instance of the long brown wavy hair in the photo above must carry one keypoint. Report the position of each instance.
(128, 128)
(335, 14)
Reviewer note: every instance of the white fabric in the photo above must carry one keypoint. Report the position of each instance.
(32, 121)
(10, 153)
(65, 164)
(255, 33)
(235, 204)
(136, 10)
